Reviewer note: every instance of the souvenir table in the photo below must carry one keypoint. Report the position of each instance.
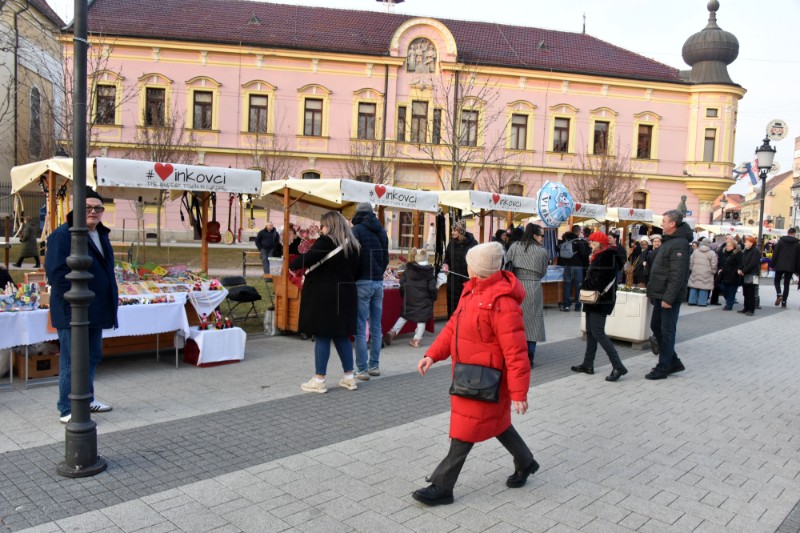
(214, 345)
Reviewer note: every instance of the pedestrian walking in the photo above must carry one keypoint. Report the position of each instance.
(703, 268)
(669, 277)
(785, 262)
(638, 262)
(487, 329)
(601, 277)
(730, 262)
(418, 289)
(374, 260)
(749, 272)
(573, 255)
(455, 262)
(328, 303)
(528, 260)
(30, 246)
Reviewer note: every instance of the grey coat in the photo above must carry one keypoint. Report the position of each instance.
(529, 266)
(30, 248)
(702, 266)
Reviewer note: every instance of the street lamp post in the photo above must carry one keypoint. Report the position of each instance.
(765, 154)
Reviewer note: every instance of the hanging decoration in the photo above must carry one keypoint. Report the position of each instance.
(555, 204)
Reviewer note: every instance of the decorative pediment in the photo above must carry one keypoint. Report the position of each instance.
(259, 85)
(368, 93)
(314, 89)
(154, 78)
(564, 109)
(447, 36)
(647, 116)
(106, 75)
(203, 81)
(521, 105)
(604, 112)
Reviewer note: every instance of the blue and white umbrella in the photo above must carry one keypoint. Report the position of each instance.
(555, 204)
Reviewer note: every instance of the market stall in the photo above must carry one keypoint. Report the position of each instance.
(482, 203)
(311, 199)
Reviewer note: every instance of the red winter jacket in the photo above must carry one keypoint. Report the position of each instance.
(491, 332)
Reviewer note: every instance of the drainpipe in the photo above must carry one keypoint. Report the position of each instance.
(16, 83)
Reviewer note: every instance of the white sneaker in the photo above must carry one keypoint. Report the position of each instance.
(65, 419)
(313, 385)
(99, 407)
(348, 383)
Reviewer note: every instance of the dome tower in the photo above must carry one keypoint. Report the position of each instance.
(710, 51)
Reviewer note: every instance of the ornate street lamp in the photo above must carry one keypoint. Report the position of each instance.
(765, 154)
(723, 203)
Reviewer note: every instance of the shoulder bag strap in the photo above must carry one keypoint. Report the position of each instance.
(608, 287)
(330, 254)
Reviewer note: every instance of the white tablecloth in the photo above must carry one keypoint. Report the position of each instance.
(30, 327)
(204, 302)
(216, 345)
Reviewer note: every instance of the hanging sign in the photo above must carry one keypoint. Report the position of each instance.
(629, 213)
(777, 130)
(555, 204)
(149, 175)
(596, 211)
(386, 195)
(501, 202)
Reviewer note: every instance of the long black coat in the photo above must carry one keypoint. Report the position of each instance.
(456, 258)
(418, 289)
(728, 267)
(329, 300)
(602, 269)
(786, 257)
(751, 261)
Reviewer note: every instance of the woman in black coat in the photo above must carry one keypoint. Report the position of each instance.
(730, 261)
(601, 276)
(749, 271)
(328, 304)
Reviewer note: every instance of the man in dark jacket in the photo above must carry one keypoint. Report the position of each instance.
(573, 255)
(667, 288)
(374, 259)
(266, 241)
(785, 262)
(615, 243)
(455, 263)
(102, 309)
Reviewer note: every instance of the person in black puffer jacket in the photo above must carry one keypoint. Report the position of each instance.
(730, 261)
(418, 289)
(374, 260)
(749, 272)
(667, 289)
(455, 263)
(601, 277)
(785, 262)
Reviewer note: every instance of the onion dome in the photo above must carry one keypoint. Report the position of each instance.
(710, 51)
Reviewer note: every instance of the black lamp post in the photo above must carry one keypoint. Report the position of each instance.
(723, 203)
(80, 440)
(765, 154)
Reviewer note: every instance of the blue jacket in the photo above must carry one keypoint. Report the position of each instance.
(103, 308)
(374, 245)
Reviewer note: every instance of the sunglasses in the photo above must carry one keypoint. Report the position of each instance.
(95, 208)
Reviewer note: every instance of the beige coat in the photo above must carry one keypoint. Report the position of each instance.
(703, 266)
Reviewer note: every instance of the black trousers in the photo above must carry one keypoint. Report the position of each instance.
(596, 333)
(446, 474)
(787, 281)
(749, 290)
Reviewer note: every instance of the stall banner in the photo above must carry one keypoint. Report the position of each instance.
(386, 195)
(149, 175)
(555, 204)
(629, 213)
(301, 209)
(596, 211)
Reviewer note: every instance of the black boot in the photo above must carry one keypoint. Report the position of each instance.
(583, 369)
(616, 374)
(520, 477)
(433, 495)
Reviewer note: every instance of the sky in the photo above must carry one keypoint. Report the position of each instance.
(768, 65)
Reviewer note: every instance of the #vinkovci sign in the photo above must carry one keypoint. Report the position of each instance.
(173, 176)
(386, 195)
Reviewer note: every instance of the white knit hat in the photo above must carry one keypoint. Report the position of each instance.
(485, 259)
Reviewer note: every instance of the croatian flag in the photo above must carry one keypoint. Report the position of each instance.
(748, 171)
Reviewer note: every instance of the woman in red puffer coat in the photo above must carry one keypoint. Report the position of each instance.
(486, 329)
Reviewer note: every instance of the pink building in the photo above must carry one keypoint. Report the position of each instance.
(417, 102)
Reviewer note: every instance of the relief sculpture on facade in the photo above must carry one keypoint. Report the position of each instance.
(421, 56)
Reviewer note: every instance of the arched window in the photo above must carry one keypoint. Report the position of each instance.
(597, 196)
(310, 175)
(515, 189)
(35, 133)
(465, 185)
(364, 177)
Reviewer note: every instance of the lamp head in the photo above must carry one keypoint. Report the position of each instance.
(766, 155)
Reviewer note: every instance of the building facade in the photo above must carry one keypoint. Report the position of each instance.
(416, 102)
(31, 85)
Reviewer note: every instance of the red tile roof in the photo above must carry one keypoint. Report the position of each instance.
(44, 8)
(365, 32)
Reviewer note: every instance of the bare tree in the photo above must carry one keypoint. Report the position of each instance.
(366, 163)
(604, 178)
(270, 154)
(166, 141)
(468, 133)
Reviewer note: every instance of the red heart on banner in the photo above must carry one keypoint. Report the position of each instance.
(380, 190)
(578, 206)
(495, 197)
(631, 211)
(163, 170)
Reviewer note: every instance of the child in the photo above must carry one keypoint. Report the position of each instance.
(418, 289)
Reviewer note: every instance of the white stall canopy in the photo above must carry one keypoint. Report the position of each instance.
(149, 175)
(474, 201)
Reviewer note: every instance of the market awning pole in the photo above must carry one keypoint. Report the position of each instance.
(480, 225)
(80, 442)
(283, 317)
(52, 212)
(204, 235)
(415, 226)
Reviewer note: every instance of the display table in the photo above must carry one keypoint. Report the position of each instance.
(215, 345)
(630, 320)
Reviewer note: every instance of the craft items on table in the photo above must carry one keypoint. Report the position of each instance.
(214, 321)
(23, 298)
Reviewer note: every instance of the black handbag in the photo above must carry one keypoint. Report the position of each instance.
(476, 382)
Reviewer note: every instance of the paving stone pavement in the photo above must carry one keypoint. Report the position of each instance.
(237, 448)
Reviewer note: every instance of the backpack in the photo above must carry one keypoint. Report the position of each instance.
(566, 250)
